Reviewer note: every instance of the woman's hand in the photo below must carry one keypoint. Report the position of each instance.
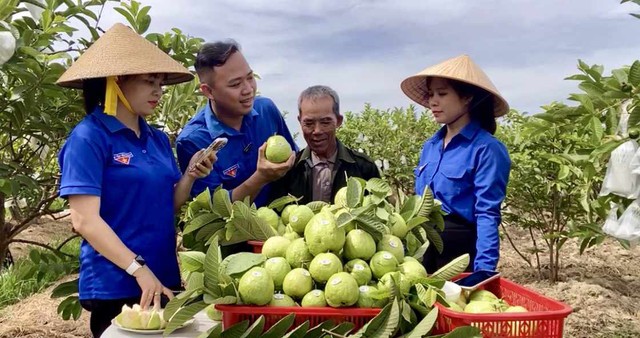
(201, 168)
(151, 288)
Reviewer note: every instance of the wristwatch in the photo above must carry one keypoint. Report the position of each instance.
(136, 264)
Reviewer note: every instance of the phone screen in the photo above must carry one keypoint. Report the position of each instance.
(476, 278)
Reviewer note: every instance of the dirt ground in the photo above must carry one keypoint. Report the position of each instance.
(602, 286)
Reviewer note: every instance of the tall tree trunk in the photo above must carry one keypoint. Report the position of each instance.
(4, 233)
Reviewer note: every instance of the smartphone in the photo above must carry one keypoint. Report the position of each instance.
(474, 280)
(214, 147)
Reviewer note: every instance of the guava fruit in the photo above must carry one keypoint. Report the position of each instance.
(341, 290)
(397, 225)
(286, 212)
(393, 245)
(279, 299)
(359, 244)
(298, 254)
(256, 286)
(277, 267)
(340, 199)
(323, 266)
(297, 283)
(275, 246)
(480, 306)
(299, 218)
(278, 149)
(322, 234)
(360, 270)
(383, 262)
(315, 298)
(269, 216)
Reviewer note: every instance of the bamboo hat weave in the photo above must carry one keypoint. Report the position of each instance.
(460, 68)
(121, 51)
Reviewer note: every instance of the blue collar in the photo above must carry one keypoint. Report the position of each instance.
(114, 125)
(469, 131)
(217, 128)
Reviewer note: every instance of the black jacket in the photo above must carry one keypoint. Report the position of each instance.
(298, 181)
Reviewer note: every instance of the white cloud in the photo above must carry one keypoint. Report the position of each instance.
(364, 48)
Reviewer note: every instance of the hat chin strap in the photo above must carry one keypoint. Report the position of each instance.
(112, 95)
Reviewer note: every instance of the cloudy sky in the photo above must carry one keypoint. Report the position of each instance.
(365, 48)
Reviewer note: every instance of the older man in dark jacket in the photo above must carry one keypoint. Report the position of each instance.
(322, 168)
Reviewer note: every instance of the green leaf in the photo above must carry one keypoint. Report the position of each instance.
(183, 315)
(222, 203)
(226, 300)
(298, 332)
(176, 303)
(563, 172)
(634, 73)
(65, 289)
(280, 328)
(434, 237)
(383, 325)
(419, 254)
(318, 330)
(195, 281)
(212, 265)
(454, 268)
(414, 222)
(411, 207)
(255, 329)
(426, 295)
(378, 186)
(280, 203)
(213, 332)
(192, 261)
(372, 225)
(246, 226)
(425, 326)
(464, 332)
(344, 219)
(237, 264)
(596, 127)
(199, 221)
(426, 203)
(342, 329)
(316, 206)
(354, 192)
(236, 330)
(634, 117)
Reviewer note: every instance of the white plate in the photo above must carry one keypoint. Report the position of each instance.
(113, 321)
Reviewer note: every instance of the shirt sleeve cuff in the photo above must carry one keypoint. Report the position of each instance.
(82, 190)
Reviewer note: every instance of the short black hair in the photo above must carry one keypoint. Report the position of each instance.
(214, 54)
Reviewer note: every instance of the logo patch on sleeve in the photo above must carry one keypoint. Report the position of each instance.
(123, 158)
(231, 171)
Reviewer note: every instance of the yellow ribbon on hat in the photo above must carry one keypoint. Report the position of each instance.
(112, 95)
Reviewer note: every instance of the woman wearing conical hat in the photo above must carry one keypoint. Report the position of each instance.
(464, 165)
(121, 178)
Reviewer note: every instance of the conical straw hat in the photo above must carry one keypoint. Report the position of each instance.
(460, 68)
(121, 51)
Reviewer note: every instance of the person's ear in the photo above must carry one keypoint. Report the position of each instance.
(207, 91)
(340, 118)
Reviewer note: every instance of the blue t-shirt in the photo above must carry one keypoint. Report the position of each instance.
(237, 160)
(134, 178)
(470, 178)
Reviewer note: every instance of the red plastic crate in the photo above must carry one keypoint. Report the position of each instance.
(232, 314)
(545, 318)
(257, 246)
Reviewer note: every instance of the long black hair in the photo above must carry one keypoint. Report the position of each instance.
(481, 106)
(93, 92)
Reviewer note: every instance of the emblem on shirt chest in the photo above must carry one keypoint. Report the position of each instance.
(231, 171)
(123, 158)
